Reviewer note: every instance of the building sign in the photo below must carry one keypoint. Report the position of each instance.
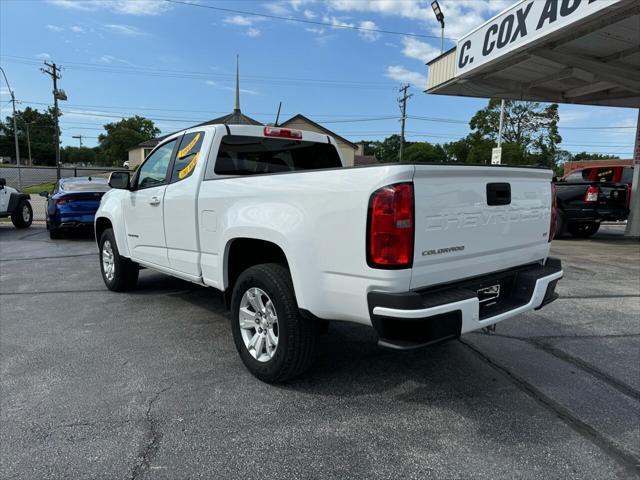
(521, 24)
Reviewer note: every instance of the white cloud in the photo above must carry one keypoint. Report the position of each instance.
(316, 30)
(240, 20)
(211, 83)
(4, 92)
(277, 8)
(243, 90)
(110, 59)
(55, 28)
(461, 15)
(414, 48)
(366, 34)
(43, 56)
(127, 7)
(78, 29)
(401, 74)
(124, 29)
(308, 14)
(253, 32)
(336, 22)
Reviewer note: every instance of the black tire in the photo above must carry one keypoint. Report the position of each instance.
(583, 229)
(297, 336)
(125, 272)
(55, 233)
(17, 217)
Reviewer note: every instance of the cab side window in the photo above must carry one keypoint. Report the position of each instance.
(576, 176)
(153, 171)
(188, 156)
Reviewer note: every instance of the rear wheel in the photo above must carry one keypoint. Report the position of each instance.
(583, 229)
(55, 233)
(274, 341)
(22, 216)
(119, 273)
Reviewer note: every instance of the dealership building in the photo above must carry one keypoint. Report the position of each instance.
(583, 52)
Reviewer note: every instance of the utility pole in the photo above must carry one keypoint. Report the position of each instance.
(29, 144)
(15, 127)
(79, 137)
(403, 108)
(501, 123)
(54, 72)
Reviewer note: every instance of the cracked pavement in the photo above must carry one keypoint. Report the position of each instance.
(148, 385)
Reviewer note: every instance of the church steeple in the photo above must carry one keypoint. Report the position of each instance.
(236, 108)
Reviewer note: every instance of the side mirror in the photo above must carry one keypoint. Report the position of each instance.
(44, 194)
(555, 179)
(119, 180)
(3, 182)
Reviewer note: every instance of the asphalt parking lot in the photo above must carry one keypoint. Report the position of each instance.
(148, 384)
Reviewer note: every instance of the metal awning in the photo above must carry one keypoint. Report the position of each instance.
(567, 51)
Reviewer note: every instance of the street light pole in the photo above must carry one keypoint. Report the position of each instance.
(15, 127)
(440, 17)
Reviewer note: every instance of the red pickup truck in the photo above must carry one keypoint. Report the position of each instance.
(588, 196)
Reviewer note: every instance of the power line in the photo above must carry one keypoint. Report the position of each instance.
(302, 20)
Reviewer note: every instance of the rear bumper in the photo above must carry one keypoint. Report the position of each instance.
(596, 214)
(418, 318)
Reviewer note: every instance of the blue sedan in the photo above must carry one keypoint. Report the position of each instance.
(73, 204)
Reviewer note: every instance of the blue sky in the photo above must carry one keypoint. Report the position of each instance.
(175, 63)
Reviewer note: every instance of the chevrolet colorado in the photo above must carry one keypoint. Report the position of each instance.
(270, 217)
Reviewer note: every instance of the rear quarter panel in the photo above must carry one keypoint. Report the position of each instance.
(318, 218)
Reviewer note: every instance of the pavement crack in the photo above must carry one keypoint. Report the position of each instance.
(152, 438)
(541, 343)
(621, 455)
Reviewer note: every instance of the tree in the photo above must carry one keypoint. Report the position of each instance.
(123, 135)
(41, 127)
(79, 156)
(592, 156)
(424, 152)
(530, 130)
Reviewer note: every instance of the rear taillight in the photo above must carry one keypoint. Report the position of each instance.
(391, 227)
(591, 195)
(282, 133)
(554, 213)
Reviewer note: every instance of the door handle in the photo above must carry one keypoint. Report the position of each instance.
(154, 200)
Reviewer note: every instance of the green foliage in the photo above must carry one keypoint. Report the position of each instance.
(41, 127)
(530, 132)
(77, 156)
(592, 156)
(424, 152)
(123, 135)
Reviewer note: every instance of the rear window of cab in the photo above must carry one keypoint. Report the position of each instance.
(246, 155)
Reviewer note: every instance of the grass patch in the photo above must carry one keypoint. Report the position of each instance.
(39, 187)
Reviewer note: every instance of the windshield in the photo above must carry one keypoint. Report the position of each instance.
(244, 155)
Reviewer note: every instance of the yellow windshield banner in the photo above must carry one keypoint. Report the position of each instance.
(187, 170)
(185, 151)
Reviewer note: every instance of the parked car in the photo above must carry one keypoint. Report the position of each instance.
(73, 204)
(420, 253)
(15, 205)
(586, 197)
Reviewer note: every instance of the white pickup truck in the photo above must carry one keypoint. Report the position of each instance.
(270, 217)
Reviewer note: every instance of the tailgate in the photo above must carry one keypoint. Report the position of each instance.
(473, 220)
(612, 195)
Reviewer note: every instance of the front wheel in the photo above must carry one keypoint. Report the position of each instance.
(22, 216)
(274, 341)
(584, 229)
(119, 273)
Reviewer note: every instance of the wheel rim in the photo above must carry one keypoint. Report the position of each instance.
(258, 324)
(26, 214)
(108, 265)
